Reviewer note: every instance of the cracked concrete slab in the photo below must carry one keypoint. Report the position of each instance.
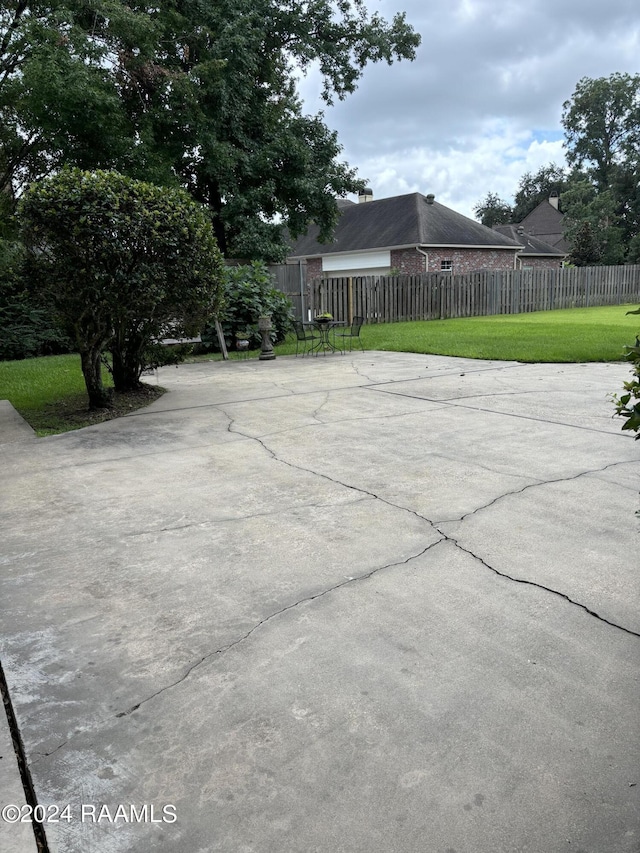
(375, 602)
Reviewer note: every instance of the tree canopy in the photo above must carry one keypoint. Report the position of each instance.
(602, 126)
(192, 94)
(600, 191)
(122, 263)
(493, 210)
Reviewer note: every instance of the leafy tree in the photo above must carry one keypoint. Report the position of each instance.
(58, 99)
(197, 94)
(591, 223)
(602, 126)
(124, 263)
(221, 87)
(586, 248)
(492, 210)
(602, 138)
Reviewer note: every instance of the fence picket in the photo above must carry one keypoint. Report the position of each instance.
(383, 299)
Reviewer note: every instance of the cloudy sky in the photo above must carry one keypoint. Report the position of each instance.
(481, 104)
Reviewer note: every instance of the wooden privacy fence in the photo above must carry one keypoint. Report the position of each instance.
(292, 280)
(434, 296)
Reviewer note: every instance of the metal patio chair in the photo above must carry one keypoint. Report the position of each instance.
(352, 334)
(304, 336)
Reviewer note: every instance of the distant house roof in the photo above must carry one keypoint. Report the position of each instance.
(545, 222)
(532, 246)
(400, 221)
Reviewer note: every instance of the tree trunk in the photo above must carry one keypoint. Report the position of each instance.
(126, 371)
(127, 352)
(99, 396)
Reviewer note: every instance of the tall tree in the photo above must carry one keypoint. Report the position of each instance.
(602, 139)
(602, 126)
(58, 101)
(492, 210)
(592, 225)
(217, 105)
(198, 94)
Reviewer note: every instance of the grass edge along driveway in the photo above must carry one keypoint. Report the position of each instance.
(49, 392)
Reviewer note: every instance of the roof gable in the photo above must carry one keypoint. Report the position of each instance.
(405, 220)
(546, 222)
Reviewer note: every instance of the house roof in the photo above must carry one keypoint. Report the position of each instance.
(545, 223)
(400, 221)
(532, 245)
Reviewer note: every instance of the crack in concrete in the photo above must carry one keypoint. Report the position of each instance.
(314, 413)
(274, 615)
(525, 488)
(537, 585)
(452, 539)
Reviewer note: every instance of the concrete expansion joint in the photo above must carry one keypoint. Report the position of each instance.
(526, 582)
(22, 763)
(454, 402)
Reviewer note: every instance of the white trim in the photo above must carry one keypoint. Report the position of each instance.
(356, 260)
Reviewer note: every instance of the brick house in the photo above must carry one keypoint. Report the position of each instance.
(536, 253)
(410, 234)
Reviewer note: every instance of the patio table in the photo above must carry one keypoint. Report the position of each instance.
(325, 343)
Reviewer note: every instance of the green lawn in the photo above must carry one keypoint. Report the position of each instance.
(49, 392)
(572, 335)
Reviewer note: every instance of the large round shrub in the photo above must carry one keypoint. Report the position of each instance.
(124, 264)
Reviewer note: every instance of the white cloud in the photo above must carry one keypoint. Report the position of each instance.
(481, 105)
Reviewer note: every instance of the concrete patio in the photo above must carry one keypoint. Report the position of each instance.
(373, 603)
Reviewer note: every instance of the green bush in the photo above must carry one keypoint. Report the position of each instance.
(27, 327)
(249, 293)
(124, 263)
(628, 404)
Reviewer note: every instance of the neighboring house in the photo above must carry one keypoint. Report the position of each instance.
(535, 254)
(546, 223)
(405, 234)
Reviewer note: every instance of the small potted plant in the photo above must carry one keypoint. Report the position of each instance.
(324, 318)
(243, 336)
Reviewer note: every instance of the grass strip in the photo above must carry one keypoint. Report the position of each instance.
(50, 393)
